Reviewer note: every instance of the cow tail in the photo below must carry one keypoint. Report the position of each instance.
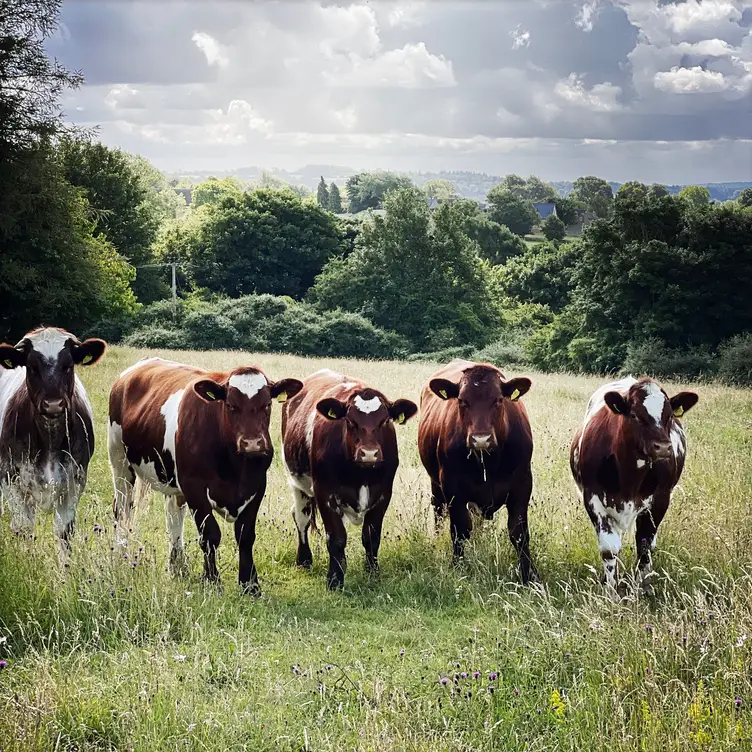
(314, 526)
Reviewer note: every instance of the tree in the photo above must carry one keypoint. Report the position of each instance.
(695, 196)
(594, 193)
(568, 210)
(745, 197)
(335, 199)
(214, 190)
(440, 190)
(162, 201)
(31, 85)
(322, 194)
(496, 243)
(553, 228)
(366, 190)
(532, 188)
(518, 214)
(414, 272)
(259, 241)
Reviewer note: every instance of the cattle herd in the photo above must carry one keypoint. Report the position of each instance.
(202, 439)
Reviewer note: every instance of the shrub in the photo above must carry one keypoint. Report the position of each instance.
(553, 228)
(157, 337)
(508, 350)
(443, 356)
(654, 358)
(735, 361)
(209, 330)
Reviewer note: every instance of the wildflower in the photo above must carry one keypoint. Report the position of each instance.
(98, 529)
(648, 627)
(558, 707)
(444, 680)
(738, 702)
(179, 658)
(516, 692)
(463, 675)
(493, 676)
(742, 639)
(476, 674)
(402, 652)
(3, 664)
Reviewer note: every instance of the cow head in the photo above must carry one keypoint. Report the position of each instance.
(649, 415)
(49, 356)
(246, 400)
(366, 415)
(482, 396)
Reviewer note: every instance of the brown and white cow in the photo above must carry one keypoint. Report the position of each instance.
(201, 439)
(340, 450)
(475, 442)
(626, 459)
(46, 429)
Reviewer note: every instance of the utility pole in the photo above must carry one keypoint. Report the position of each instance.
(174, 268)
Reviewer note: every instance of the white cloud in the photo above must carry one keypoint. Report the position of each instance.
(600, 98)
(411, 67)
(234, 125)
(405, 13)
(520, 38)
(707, 47)
(352, 30)
(683, 17)
(693, 80)
(347, 118)
(586, 17)
(212, 49)
(122, 96)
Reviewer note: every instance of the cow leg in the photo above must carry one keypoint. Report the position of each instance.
(175, 511)
(609, 542)
(123, 480)
(209, 537)
(371, 536)
(21, 510)
(438, 503)
(63, 524)
(336, 541)
(460, 527)
(518, 503)
(646, 537)
(245, 535)
(302, 512)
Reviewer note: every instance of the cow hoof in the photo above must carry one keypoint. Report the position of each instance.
(178, 564)
(252, 589)
(304, 563)
(334, 583)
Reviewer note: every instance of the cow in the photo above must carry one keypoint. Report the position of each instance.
(626, 459)
(340, 451)
(476, 444)
(46, 428)
(202, 440)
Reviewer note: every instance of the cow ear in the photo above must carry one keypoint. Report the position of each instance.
(444, 388)
(285, 388)
(210, 391)
(682, 402)
(515, 388)
(401, 410)
(88, 352)
(10, 357)
(616, 403)
(332, 409)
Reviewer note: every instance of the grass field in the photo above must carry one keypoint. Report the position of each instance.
(115, 654)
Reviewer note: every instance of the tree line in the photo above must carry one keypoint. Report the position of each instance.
(655, 282)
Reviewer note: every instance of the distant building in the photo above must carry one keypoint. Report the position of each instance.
(546, 209)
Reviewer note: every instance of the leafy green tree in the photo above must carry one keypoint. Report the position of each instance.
(496, 243)
(745, 197)
(531, 188)
(553, 228)
(641, 214)
(214, 190)
(594, 193)
(657, 190)
(53, 268)
(366, 190)
(568, 210)
(441, 190)
(518, 214)
(31, 84)
(259, 241)
(414, 272)
(695, 196)
(322, 194)
(162, 201)
(335, 199)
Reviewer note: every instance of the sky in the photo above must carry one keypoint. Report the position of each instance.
(625, 89)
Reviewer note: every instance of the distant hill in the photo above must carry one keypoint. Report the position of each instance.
(467, 184)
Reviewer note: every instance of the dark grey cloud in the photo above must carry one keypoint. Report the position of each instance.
(441, 82)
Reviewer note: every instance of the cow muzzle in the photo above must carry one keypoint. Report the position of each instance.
(53, 408)
(660, 451)
(253, 447)
(368, 457)
(483, 442)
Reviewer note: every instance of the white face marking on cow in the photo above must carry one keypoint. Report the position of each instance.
(49, 343)
(367, 406)
(249, 384)
(654, 401)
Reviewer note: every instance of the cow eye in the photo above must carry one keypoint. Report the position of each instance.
(231, 408)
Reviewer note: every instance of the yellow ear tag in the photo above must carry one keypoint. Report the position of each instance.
(332, 414)
(679, 411)
(515, 395)
(443, 393)
(400, 419)
(8, 363)
(210, 395)
(282, 397)
(87, 359)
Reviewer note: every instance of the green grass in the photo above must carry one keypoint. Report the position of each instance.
(115, 654)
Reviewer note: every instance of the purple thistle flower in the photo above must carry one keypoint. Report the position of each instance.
(3, 664)
(463, 675)
(737, 700)
(444, 680)
(476, 674)
(516, 692)
(493, 676)
(402, 652)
